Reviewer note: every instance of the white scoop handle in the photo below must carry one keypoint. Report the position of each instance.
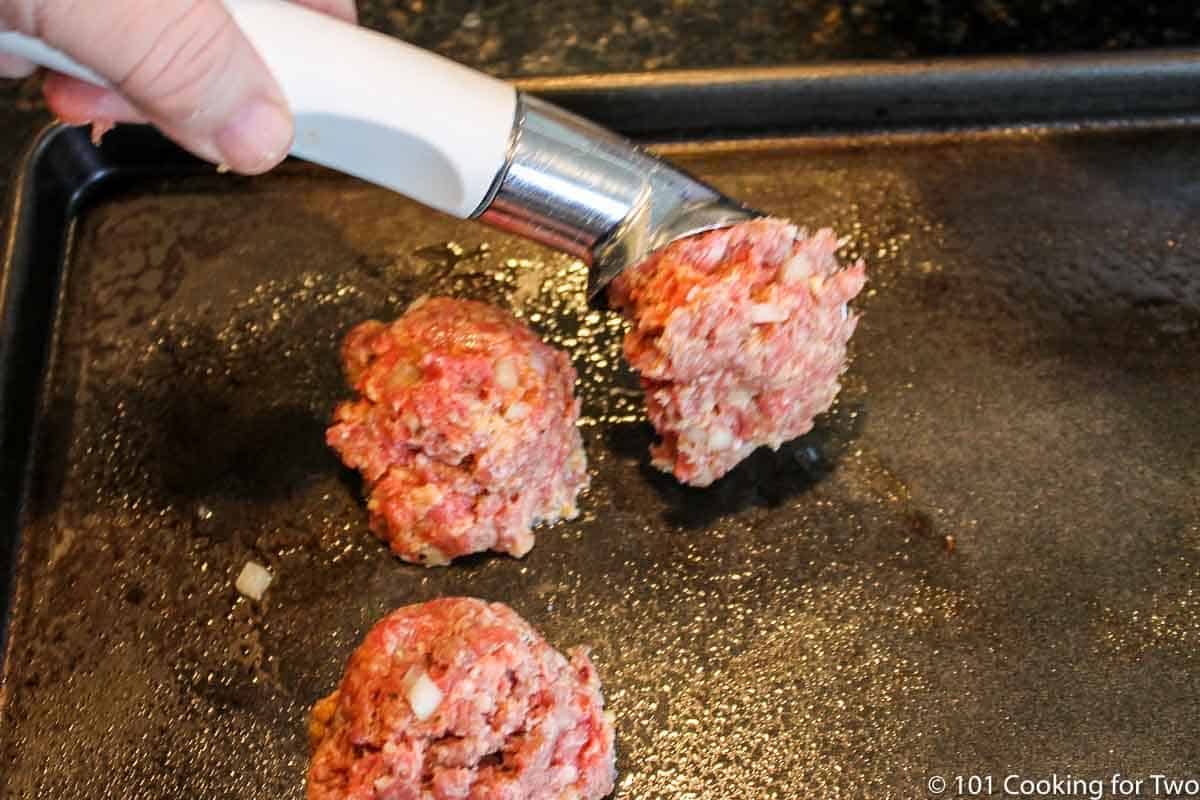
(366, 104)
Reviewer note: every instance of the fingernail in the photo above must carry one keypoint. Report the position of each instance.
(256, 139)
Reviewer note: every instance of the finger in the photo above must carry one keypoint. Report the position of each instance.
(15, 67)
(186, 67)
(342, 9)
(76, 102)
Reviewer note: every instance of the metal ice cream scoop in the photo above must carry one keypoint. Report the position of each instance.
(464, 143)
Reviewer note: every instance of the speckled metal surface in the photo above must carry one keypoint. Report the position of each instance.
(983, 561)
(563, 36)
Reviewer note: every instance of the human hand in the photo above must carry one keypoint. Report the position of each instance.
(181, 65)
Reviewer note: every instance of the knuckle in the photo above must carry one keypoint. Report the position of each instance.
(18, 16)
(13, 67)
(186, 64)
(25, 16)
(45, 19)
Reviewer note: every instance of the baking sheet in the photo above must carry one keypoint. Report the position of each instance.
(983, 561)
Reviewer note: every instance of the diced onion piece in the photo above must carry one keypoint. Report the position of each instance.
(506, 374)
(253, 580)
(404, 374)
(795, 268)
(516, 412)
(761, 313)
(101, 127)
(739, 398)
(423, 694)
(719, 438)
(425, 497)
(371, 390)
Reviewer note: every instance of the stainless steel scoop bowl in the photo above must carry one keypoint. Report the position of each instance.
(582, 189)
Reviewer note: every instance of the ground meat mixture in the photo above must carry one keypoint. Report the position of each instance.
(740, 337)
(458, 698)
(464, 430)
(99, 128)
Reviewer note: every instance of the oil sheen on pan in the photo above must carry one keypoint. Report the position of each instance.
(982, 557)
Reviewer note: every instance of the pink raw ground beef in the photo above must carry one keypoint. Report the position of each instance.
(458, 698)
(740, 337)
(99, 128)
(464, 430)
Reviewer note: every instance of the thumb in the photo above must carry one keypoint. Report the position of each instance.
(14, 66)
(182, 65)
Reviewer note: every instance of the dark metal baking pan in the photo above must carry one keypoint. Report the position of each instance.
(984, 561)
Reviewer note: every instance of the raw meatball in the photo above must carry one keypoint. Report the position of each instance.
(740, 337)
(464, 430)
(458, 698)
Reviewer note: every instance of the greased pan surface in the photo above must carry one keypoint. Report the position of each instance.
(983, 561)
